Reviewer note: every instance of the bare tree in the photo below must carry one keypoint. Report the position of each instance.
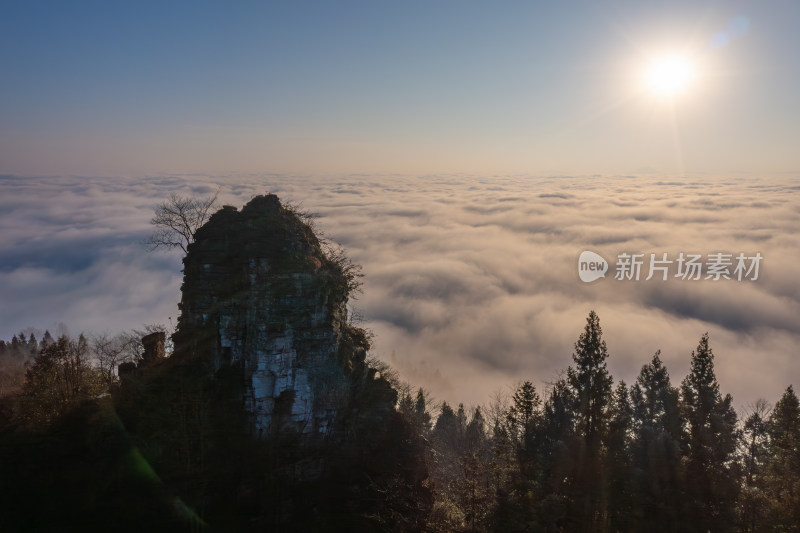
(135, 337)
(110, 352)
(178, 218)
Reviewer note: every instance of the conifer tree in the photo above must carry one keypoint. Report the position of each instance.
(475, 432)
(783, 479)
(32, 344)
(46, 339)
(406, 405)
(591, 383)
(655, 450)
(754, 504)
(422, 418)
(709, 445)
(619, 463)
(475, 480)
(524, 406)
(15, 344)
(591, 386)
(446, 431)
(555, 448)
(461, 421)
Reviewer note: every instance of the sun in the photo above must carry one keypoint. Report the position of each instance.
(669, 75)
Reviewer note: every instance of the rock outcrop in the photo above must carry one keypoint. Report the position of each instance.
(262, 298)
(153, 347)
(267, 415)
(153, 353)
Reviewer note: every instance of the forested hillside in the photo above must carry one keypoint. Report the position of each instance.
(584, 454)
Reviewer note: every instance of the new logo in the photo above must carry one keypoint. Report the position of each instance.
(591, 266)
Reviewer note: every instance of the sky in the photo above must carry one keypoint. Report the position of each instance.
(464, 153)
(141, 88)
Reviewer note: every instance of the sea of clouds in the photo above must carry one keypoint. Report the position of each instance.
(471, 283)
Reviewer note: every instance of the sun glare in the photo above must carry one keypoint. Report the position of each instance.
(667, 76)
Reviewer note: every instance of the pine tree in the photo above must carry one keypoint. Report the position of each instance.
(505, 469)
(754, 500)
(475, 432)
(405, 406)
(46, 339)
(461, 421)
(784, 464)
(461, 474)
(591, 386)
(32, 344)
(422, 418)
(655, 450)
(591, 383)
(15, 344)
(524, 406)
(709, 445)
(475, 482)
(555, 445)
(446, 431)
(619, 463)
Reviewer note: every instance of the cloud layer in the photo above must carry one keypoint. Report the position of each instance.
(471, 282)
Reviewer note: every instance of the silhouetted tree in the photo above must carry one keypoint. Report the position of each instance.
(421, 415)
(709, 445)
(591, 386)
(405, 404)
(110, 352)
(475, 432)
(474, 487)
(46, 339)
(15, 343)
(754, 501)
(556, 442)
(524, 406)
(505, 469)
(655, 449)
(445, 471)
(32, 344)
(60, 378)
(783, 472)
(447, 431)
(15, 355)
(178, 218)
(619, 462)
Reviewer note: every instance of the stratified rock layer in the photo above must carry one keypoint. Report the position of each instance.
(260, 295)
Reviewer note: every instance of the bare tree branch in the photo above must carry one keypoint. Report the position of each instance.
(178, 218)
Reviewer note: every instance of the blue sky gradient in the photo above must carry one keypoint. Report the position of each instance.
(113, 88)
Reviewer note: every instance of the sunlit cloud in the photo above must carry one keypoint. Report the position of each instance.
(471, 282)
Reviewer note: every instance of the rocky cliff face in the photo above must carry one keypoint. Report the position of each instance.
(261, 297)
(263, 349)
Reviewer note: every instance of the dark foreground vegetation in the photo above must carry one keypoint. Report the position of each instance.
(585, 455)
